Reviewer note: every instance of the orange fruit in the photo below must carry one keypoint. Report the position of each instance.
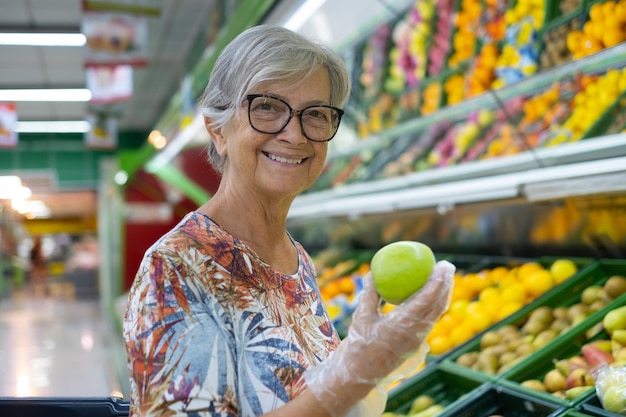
(514, 292)
(595, 12)
(620, 11)
(458, 308)
(446, 323)
(608, 8)
(538, 282)
(498, 273)
(489, 295)
(462, 333)
(346, 285)
(590, 45)
(613, 36)
(479, 317)
(439, 344)
(574, 40)
(508, 309)
(528, 267)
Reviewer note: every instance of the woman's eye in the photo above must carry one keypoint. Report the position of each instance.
(316, 114)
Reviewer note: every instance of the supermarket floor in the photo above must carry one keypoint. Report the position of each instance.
(58, 347)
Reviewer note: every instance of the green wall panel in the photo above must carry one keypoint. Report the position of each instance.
(74, 165)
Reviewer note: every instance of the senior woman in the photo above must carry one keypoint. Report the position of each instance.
(225, 316)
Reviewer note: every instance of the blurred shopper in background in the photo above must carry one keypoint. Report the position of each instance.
(39, 268)
(225, 317)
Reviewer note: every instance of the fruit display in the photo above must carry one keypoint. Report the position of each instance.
(433, 390)
(500, 401)
(409, 53)
(606, 27)
(599, 94)
(517, 336)
(556, 50)
(440, 47)
(480, 300)
(459, 138)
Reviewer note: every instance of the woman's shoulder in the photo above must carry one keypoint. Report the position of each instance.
(194, 233)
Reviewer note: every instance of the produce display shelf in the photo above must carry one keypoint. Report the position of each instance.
(498, 400)
(445, 385)
(565, 294)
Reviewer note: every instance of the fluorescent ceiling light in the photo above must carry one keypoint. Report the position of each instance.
(49, 94)
(15, 193)
(10, 181)
(43, 39)
(303, 14)
(31, 209)
(69, 126)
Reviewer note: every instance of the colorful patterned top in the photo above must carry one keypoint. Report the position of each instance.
(212, 330)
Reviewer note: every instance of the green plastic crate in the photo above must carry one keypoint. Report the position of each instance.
(499, 400)
(446, 386)
(573, 413)
(565, 294)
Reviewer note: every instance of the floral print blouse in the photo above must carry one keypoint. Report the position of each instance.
(212, 330)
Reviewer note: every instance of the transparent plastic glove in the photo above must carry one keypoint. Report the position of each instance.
(377, 345)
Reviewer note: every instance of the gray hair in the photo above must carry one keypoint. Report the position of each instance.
(260, 54)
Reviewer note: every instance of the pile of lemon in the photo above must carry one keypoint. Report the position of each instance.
(481, 299)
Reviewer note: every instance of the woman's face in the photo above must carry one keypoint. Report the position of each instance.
(279, 164)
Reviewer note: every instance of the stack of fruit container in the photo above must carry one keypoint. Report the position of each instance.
(560, 341)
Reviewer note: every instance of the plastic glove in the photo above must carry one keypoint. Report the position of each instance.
(377, 345)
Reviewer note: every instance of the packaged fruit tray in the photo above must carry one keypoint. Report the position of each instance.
(521, 333)
(593, 407)
(496, 400)
(437, 384)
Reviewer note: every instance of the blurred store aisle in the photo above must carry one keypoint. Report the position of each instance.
(54, 347)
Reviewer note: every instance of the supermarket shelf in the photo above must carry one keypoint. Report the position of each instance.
(531, 175)
(614, 57)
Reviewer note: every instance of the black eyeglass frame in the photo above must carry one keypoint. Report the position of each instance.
(292, 112)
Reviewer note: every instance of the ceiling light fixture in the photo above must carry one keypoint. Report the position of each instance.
(15, 193)
(49, 94)
(66, 126)
(10, 181)
(43, 39)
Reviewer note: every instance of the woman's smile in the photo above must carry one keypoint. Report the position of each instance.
(284, 159)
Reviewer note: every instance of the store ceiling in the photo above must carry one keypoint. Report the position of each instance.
(177, 37)
(175, 40)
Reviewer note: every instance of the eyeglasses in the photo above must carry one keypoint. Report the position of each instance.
(268, 114)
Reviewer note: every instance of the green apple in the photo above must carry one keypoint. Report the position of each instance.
(400, 269)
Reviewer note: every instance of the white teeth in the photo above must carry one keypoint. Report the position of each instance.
(284, 160)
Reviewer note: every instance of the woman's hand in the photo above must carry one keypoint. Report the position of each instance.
(377, 344)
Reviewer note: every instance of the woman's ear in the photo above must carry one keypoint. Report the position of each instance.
(216, 136)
